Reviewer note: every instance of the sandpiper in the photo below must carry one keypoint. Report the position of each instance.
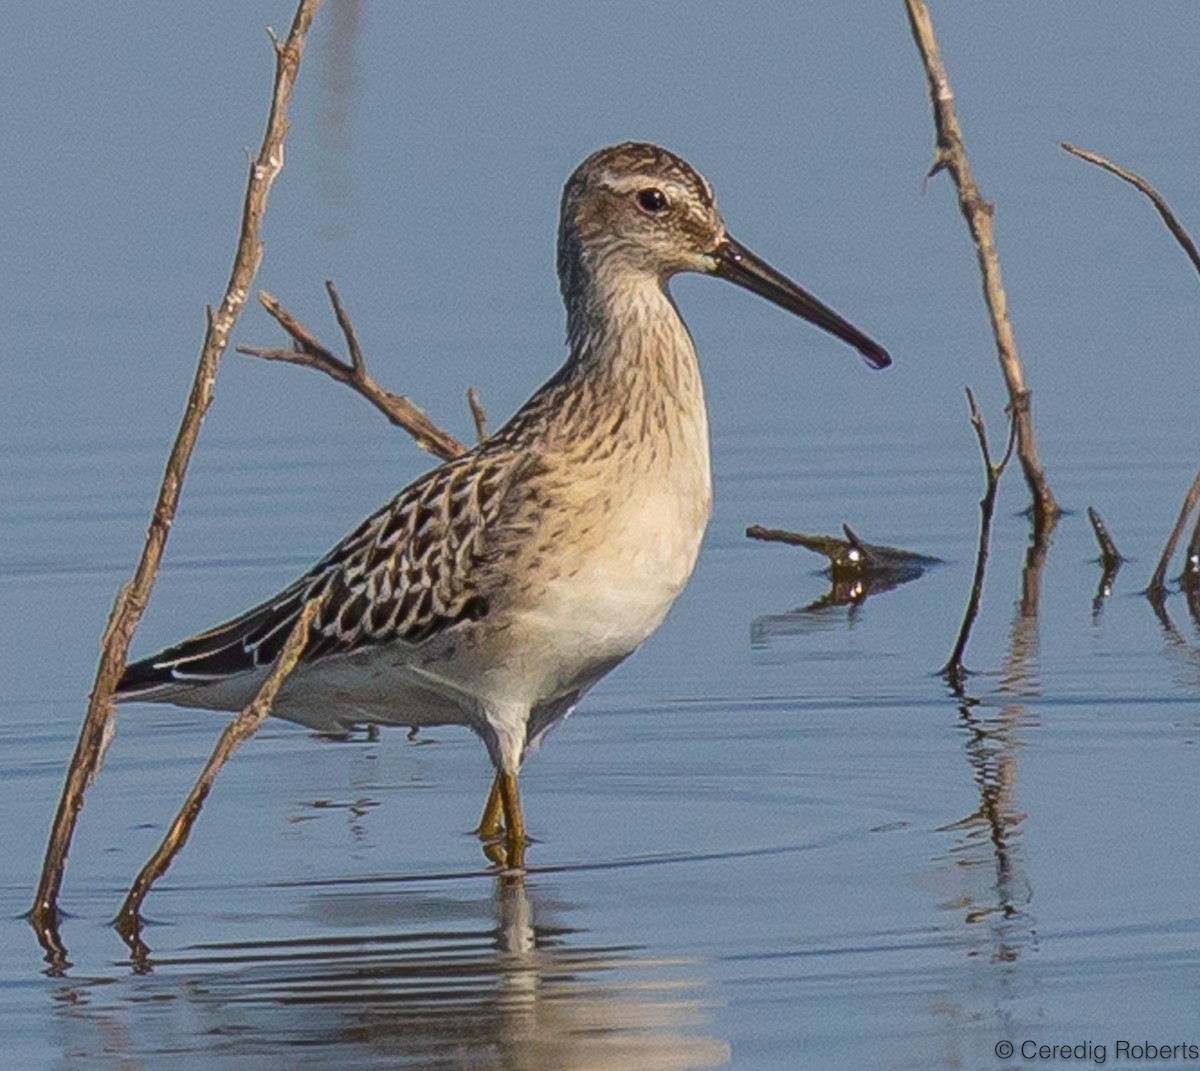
(496, 589)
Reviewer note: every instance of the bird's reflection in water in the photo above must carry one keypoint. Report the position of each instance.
(460, 983)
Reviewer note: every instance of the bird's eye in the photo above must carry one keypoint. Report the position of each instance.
(652, 199)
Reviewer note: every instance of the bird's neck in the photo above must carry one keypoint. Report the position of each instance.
(628, 340)
(631, 385)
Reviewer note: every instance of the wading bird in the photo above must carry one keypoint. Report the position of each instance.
(496, 589)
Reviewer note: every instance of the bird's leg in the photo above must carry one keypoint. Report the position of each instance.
(493, 813)
(514, 821)
(506, 740)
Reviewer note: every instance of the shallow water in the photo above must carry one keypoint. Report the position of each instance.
(772, 831)
(773, 838)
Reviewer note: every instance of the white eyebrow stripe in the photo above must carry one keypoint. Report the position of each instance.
(625, 182)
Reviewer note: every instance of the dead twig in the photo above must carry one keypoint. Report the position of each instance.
(1157, 589)
(857, 569)
(310, 352)
(1190, 577)
(950, 154)
(852, 554)
(1110, 557)
(1110, 561)
(236, 733)
(1164, 210)
(953, 669)
(99, 721)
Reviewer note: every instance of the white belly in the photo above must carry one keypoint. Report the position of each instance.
(621, 594)
(609, 588)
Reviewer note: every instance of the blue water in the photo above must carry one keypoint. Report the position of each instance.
(772, 839)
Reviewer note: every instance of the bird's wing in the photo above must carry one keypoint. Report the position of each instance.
(406, 573)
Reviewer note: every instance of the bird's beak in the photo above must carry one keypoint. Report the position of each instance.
(737, 264)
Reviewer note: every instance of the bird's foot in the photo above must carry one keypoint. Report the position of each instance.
(505, 854)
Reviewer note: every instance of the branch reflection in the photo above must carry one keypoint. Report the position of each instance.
(989, 865)
(849, 587)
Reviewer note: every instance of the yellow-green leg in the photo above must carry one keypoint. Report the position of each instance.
(493, 813)
(503, 812)
(514, 821)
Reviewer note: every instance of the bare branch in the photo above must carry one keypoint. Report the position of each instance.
(1110, 557)
(953, 670)
(1164, 210)
(305, 344)
(310, 352)
(1191, 567)
(352, 347)
(236, 733)
(1110, 561)
(1156, 591)
(98, 723)
(849, 554)
(950, 154)
(981, 433)
(1157, 588)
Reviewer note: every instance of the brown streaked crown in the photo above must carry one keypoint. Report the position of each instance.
(604, 223)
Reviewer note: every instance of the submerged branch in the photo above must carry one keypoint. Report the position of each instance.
(1110, 561)
(1190, 577)
(850, 555)
(857, 569)
(1110, 557)
(1157, 588)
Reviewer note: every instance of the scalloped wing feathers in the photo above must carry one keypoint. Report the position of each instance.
(407, 573)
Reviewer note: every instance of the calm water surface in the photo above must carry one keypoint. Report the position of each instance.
(772, 839)
(774, 831)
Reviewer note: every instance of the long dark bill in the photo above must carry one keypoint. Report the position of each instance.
(737, 264)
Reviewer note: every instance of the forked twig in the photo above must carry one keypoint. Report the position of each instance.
(236, 733)
(950, 154)
(99, 721)
(953, 669)
(310, 352)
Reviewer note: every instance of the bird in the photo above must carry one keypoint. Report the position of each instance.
(497, 588)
